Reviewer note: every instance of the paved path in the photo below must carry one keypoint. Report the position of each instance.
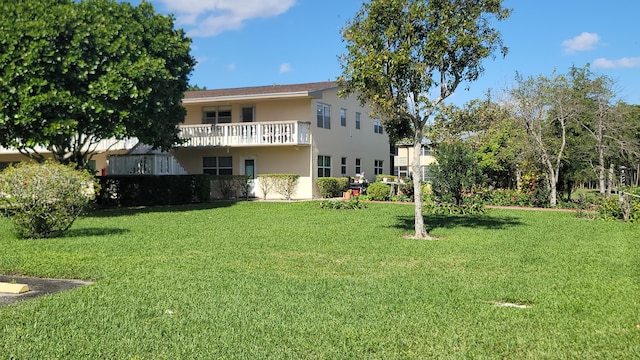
(37, 287)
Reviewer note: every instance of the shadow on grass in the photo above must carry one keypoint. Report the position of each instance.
(132, 210)
(88, 232)
(453, 221)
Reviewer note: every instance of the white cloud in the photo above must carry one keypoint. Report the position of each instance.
(285, 68)
(582, 42)
(626, 62)
(212, 17)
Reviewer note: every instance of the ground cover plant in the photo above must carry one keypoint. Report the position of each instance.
(290, 280)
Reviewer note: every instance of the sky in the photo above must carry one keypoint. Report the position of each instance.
(240, 43)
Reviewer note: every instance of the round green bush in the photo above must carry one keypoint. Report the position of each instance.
(45, 199)
(378, 191)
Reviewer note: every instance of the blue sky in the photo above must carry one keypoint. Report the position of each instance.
(262, 42)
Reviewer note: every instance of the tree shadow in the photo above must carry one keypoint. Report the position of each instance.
(454, 221)
(133, 210)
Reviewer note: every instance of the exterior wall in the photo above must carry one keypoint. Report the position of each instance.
(268, 160)
(100, 159)
(347, 141)
(264, 110)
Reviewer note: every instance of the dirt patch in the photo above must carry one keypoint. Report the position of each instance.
(37, 287)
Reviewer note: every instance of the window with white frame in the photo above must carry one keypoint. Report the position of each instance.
(324, 166)
(358, 168)
(425, 150)
(343, 117)
(324, 116)
(357, 120)
(377, 126)
(217, 165)
(343, 166)
(377, 167)
(216, 114)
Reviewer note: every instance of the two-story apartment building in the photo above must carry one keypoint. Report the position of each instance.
(305, 129)
(404, 156)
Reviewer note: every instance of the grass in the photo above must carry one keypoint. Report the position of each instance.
(290, 281)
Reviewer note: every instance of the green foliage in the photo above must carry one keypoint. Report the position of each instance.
(619, 207)
(127, 190)
(331, 187)
(73, 73)
(507, 197)
(399, 51)
(454, 172)
(283, 184)
(45, 199)
(352, 204)
(378, 192)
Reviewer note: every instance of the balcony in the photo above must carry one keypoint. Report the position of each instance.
(150, 164)
(246, 134)
(102, 146)
(403, 161)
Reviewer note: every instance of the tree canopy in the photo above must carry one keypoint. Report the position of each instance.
(73, 73)
(404, 57)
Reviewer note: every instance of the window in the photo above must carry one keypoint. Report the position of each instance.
(425, 151)
(343, 166)
(343, 117)
(377, 126)
(324, 166)
(324, 116)
(217, 165)
(401, 171)
(246, 114)
(216, 114)
(357, 120)
(358, 167)
(377, 167)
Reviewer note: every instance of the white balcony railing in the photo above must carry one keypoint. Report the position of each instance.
(150, 164)
(102, 146)
(403, 161)
(245, 134)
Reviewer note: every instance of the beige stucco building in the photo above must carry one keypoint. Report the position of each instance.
(404, 156)
(305, 129)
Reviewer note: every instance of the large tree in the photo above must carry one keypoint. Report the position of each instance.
(405, 57)
(73, 73)
(545, 107)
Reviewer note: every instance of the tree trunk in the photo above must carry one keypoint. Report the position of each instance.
(420, 231)
(553, 192)
(610, 182)
(601, 173)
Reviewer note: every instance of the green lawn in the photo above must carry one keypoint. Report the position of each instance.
(257, 280)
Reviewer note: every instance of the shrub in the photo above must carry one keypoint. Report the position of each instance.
(331, 187)
(151, 190)
(378, 191)
(283, 184)
(352, 204)
(225, 186)
(45, 199)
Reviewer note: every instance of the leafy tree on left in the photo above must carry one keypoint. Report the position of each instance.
(75, 73)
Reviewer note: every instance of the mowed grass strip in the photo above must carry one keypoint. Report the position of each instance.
(290, 280)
